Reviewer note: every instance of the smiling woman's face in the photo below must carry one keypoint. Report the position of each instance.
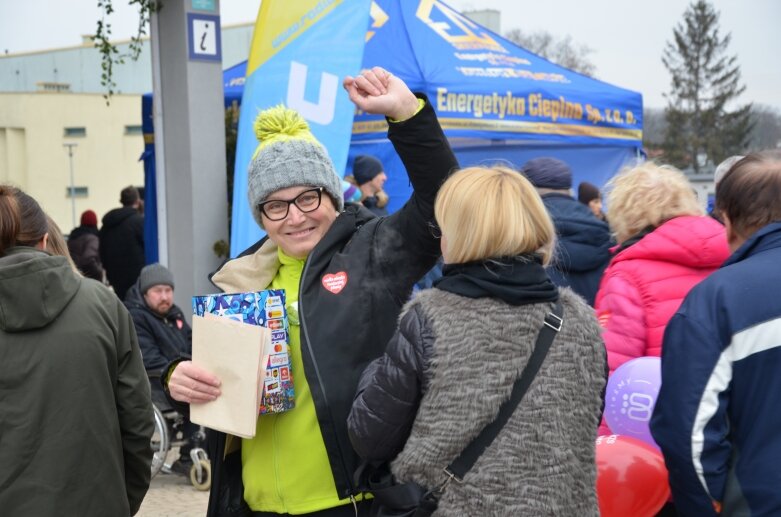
(299, 232)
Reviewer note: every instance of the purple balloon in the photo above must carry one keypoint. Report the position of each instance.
(631, 396)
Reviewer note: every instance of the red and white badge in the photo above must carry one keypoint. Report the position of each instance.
(335, 282)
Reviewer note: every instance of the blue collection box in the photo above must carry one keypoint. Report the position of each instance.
(267, 309)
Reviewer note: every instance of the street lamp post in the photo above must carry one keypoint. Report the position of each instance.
(70, 146)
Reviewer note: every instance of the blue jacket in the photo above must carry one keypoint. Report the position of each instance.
(583, 247)
(717, 417)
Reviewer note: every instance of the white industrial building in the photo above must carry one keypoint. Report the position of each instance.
(54, 97)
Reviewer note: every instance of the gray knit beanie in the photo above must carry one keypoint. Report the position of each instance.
(288, 156)
(154, 274)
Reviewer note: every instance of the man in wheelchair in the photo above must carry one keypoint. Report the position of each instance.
(163, 335)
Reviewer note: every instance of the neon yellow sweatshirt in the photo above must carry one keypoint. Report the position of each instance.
(285, 467)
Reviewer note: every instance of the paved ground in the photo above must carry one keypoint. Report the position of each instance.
(172, 495)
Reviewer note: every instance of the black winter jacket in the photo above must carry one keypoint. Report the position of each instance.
(582, 247)
(122, 248)
(371, 204)
(382, 257)
(162, 338)
(83, 245)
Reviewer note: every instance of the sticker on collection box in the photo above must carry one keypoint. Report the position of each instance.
(267, 309)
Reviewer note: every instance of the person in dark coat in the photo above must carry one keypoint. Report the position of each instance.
(716, 417)
(163, 335)
(122, 243)
(76, 417)
(583, 241)
(346, 274)
(459, 349)
(84, 246)
(370, 177)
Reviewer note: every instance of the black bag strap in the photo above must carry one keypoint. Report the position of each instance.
(466, 460)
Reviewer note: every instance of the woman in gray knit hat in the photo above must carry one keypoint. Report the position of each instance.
(346, 276)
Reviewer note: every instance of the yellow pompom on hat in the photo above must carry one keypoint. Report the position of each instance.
(288, 156)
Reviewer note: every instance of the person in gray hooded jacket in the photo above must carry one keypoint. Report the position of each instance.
(74, 397)
(460, 348)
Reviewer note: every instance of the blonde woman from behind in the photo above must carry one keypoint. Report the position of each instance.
(460, 347)
(666, 245)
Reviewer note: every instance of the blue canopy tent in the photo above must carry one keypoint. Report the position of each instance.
(496, 101)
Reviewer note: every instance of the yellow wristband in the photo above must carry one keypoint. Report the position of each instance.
(421, 103)
(169, 373)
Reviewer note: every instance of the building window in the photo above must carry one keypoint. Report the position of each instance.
(75, 131)
(134, 130)
(77, 192)
(52, 86)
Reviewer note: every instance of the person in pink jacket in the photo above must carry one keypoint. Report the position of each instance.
(666, 245)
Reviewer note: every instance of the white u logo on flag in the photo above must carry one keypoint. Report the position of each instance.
(321, 112)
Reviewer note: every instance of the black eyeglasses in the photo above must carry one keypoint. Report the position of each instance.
(277, 209)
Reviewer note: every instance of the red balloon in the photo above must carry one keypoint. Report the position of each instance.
(631, 477)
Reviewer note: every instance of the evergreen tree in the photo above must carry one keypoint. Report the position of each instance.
(704, 81)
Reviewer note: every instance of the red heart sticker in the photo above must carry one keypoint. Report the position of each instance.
(336, 282)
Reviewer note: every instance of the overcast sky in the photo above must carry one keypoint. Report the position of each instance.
(627, 37)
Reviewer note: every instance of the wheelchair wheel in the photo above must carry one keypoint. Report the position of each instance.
(202, 481)
(160, 442)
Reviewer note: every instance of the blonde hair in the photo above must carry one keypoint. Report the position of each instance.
(492, 212)
(648, 195)
(56, 245)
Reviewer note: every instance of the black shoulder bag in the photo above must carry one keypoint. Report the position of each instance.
(409, 499)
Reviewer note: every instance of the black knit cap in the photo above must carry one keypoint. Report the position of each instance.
(366, 168)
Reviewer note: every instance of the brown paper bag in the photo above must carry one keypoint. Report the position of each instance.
(232, 351)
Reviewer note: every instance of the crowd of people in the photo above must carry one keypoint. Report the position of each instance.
(398, 386)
